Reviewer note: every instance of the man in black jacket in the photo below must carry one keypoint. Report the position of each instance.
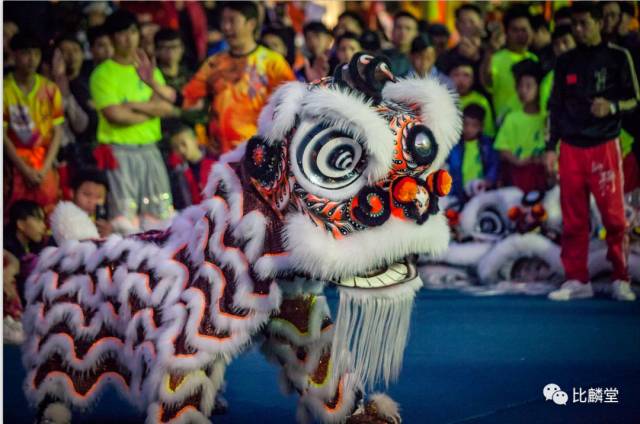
(594, 85)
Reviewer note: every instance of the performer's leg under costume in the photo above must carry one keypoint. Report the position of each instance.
(299, 339)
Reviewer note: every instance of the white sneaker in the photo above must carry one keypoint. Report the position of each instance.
(572, 289)
(622, 291)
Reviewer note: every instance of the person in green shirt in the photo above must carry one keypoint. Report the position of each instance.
(461, 73)
(520, 139)
(496, 75)
(128, 129)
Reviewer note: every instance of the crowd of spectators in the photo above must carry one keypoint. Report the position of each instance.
(131, 103)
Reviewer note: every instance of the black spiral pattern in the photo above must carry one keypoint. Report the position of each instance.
(366, 213)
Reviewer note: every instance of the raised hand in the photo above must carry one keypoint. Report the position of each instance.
(144, 66)
(59, 71)
(318, 70)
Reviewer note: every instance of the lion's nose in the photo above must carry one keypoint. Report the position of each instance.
(414, 198)
(408, 189)
(439, 183)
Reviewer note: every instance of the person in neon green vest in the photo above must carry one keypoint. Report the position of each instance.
(520, 139)
(496, 73)
(462, 75)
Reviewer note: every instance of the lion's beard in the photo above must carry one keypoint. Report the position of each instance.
(371, 333)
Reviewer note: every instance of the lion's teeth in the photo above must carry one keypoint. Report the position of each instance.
(362, 282)
(393, 275)
(400, 268)
(349, 282)
(379, 281)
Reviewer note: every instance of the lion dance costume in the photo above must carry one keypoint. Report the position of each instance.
(340, 185)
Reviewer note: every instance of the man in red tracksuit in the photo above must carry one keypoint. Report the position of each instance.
(594, 85)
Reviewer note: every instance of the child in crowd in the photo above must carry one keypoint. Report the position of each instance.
(85, 217)
(26, 230)
(473, 162)
(32, 121)
(347, 45)
(100, 44)
(90, 188)
(520, 140)
(190, 166)
(317, 40)
(24, 237)
(462, 74)
(423, 61)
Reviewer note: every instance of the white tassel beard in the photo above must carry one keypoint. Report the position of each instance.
(371, 333)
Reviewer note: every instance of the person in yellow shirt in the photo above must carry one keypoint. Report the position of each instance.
(496, 73)
(32, 118)
(520, 139)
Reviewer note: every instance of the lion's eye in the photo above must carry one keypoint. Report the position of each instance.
(329, 159)
(422, 145)
(336, 159)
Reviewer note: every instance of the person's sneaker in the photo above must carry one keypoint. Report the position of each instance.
(622, 291)
(572, 289)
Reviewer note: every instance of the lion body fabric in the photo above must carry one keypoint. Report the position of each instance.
(159, 315)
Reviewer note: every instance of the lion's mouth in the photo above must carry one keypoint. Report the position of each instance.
(390, 275)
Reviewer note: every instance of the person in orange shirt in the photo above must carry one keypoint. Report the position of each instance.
(239, 81)
(32, 122)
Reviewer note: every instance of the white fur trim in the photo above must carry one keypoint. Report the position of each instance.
(69, 222)
(372, 351)
(314, 401)
(57, 413)
(551, 204)
(497, 263)
(220, 171)
(500, 200)
(188, 417)
(316, 252)
(466, 254)
(12, 332)
(386, 407)
(438, 110)
(192, 383)
(278, 116)
(252, 230)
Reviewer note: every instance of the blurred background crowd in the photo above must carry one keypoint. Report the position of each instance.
(122, 107)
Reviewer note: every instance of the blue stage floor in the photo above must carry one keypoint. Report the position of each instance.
(469, 360)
